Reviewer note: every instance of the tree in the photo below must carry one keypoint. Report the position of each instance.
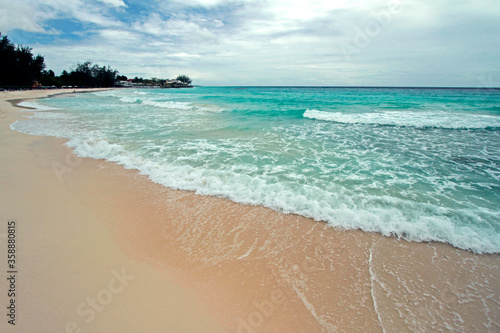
(88, 75)
(18, 66)
(184, 79)
(64, 78)
(138, 80)
(104, 77)
(121, 78)
(48, 78)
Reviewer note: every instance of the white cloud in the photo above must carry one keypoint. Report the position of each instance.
(211, 3)
(120, 37)
(422, 42)
(287, 10)
(114, 3)
(205, 3)
(21, 15)
(177, 29)
(32, 15)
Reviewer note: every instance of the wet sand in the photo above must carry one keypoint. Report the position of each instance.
(156, 259)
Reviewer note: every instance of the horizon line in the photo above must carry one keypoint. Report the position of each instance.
(357, 86)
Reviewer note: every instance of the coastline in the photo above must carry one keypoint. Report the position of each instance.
(72, 275)
(213, 264)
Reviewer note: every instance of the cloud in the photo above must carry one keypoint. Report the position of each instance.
(22, 15)
(322, 42)
(33, 15)
(114, 3)
(212, 3)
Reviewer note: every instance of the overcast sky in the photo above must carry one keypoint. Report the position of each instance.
(269, 42)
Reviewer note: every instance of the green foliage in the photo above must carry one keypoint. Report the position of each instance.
(48, 79)
(18, 66)
(184, 79)
(88, 75)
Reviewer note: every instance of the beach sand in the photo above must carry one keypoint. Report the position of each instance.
(103, 249)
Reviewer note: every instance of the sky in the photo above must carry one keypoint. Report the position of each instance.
(269, 42)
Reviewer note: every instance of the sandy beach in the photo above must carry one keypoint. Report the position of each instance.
(103, 249)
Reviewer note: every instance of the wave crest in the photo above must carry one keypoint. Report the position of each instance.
(419, 119)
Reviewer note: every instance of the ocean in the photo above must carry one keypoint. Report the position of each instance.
(422, 164)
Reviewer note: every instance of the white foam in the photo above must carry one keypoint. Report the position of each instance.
(422, 119)
(168, 104)
(129, 99)
(34, 105)
(227, 168)
(210, 108)
(96, 148)
(111, 93)
(45, 123)
(151, 99)
(340, 210)
(373, 281)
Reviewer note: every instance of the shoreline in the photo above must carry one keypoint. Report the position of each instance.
(72, 275)
(248, 268)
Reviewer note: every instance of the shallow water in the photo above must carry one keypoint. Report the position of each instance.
(423, 164)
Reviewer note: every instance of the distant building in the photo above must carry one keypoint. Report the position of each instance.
(128, 83)
(148, 84)
(174, 84)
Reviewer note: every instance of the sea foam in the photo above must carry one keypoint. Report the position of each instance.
(420, 119)
(388, 177)
(309, 201)
(34, 105)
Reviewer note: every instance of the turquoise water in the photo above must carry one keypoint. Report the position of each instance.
(423, 164)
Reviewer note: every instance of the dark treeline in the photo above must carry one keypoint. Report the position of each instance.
(179, 82)
(19, 68)
(88, 75)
